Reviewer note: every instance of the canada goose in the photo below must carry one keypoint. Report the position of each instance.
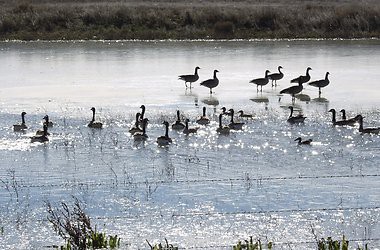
(190, 78)
(302, 79)
(178, 125)
(43, 132)
(366, 130)
(293, 90)
(211, 83)
(142, 114)
(188, 130)
(141, 136)
(351, 121)
(41, 138)
(295, 119)
(136, 128)
(47, 122)
(224, 111)
(261, 81)
(22, 126)
(164, 139)
(276, 76)
(92, 123)
(242, 115)
(321, 83)
(203, 120)
(306, 142)
(235, 125)
(224, 130)
(342, 122)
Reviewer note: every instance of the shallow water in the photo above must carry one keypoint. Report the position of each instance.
(203, 190)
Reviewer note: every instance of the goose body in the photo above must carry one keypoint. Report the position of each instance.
(178, 125)
(224, 130)
(211, 83)
(342, 122)
(41, 138)
(93, 123)
(321, 83)
(293, 90)
(141, 136)
(235, 125)
(261, 81)
(302, 79)
(366, 130)
(22, 126)
(164, 140)
(188, 130)
(203, 120)
(306, 142)
(276, 76)
(243, 115)
(136, 128)
(295, 119)
(190, 78)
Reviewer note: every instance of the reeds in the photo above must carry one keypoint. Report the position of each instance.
(122, 21)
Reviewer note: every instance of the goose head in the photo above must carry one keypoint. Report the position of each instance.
(266, 73)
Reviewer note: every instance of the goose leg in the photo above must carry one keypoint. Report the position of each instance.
(210, 91)
(320, 92)
(185, 84)
(261, 90)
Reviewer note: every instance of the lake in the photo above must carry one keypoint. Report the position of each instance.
(204, 190)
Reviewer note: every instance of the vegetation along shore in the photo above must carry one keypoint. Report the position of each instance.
(180, 19)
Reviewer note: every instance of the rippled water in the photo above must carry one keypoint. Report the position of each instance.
(206, 189)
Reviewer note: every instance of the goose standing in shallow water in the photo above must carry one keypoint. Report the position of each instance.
(41, 138)
(235, 125)
(178, 125)
(224, 130)
(92, 123)
(342, 122)
(366, 130)
(190, 78)
(302, 79)
(261, 81)
(293, 90)
(203, 120)
(306, 142)
(22, 126)
(295, 119)
(164, 139)
(136, 128)
(141, 136)
(321, 83)
(188, 130)
(276, 76)
(211, 83)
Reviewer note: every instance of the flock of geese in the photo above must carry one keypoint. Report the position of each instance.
(139, 129)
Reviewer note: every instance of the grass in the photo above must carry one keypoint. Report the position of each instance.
(50, 20)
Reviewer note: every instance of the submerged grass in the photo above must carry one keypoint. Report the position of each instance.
(119, 20)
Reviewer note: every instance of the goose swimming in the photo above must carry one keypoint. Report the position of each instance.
(224, 111)
(261, 81)
(47, 122)
(136, 128)
(321, 83)
(276, 76)
(41, 138)
(92, 123)
(203, 120)
(211, 83)
(178, 125)
(243, 115)
(43, 132)
(141, 136)
(366, 130)
(306, 142)
(224, 130)
(188, 130)
(22, 126)
(295, 119)
(142, 114)
(351, 121)
(342, 122)
(302, 79)
(190, 78)
(235, 125)
(164, 139)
